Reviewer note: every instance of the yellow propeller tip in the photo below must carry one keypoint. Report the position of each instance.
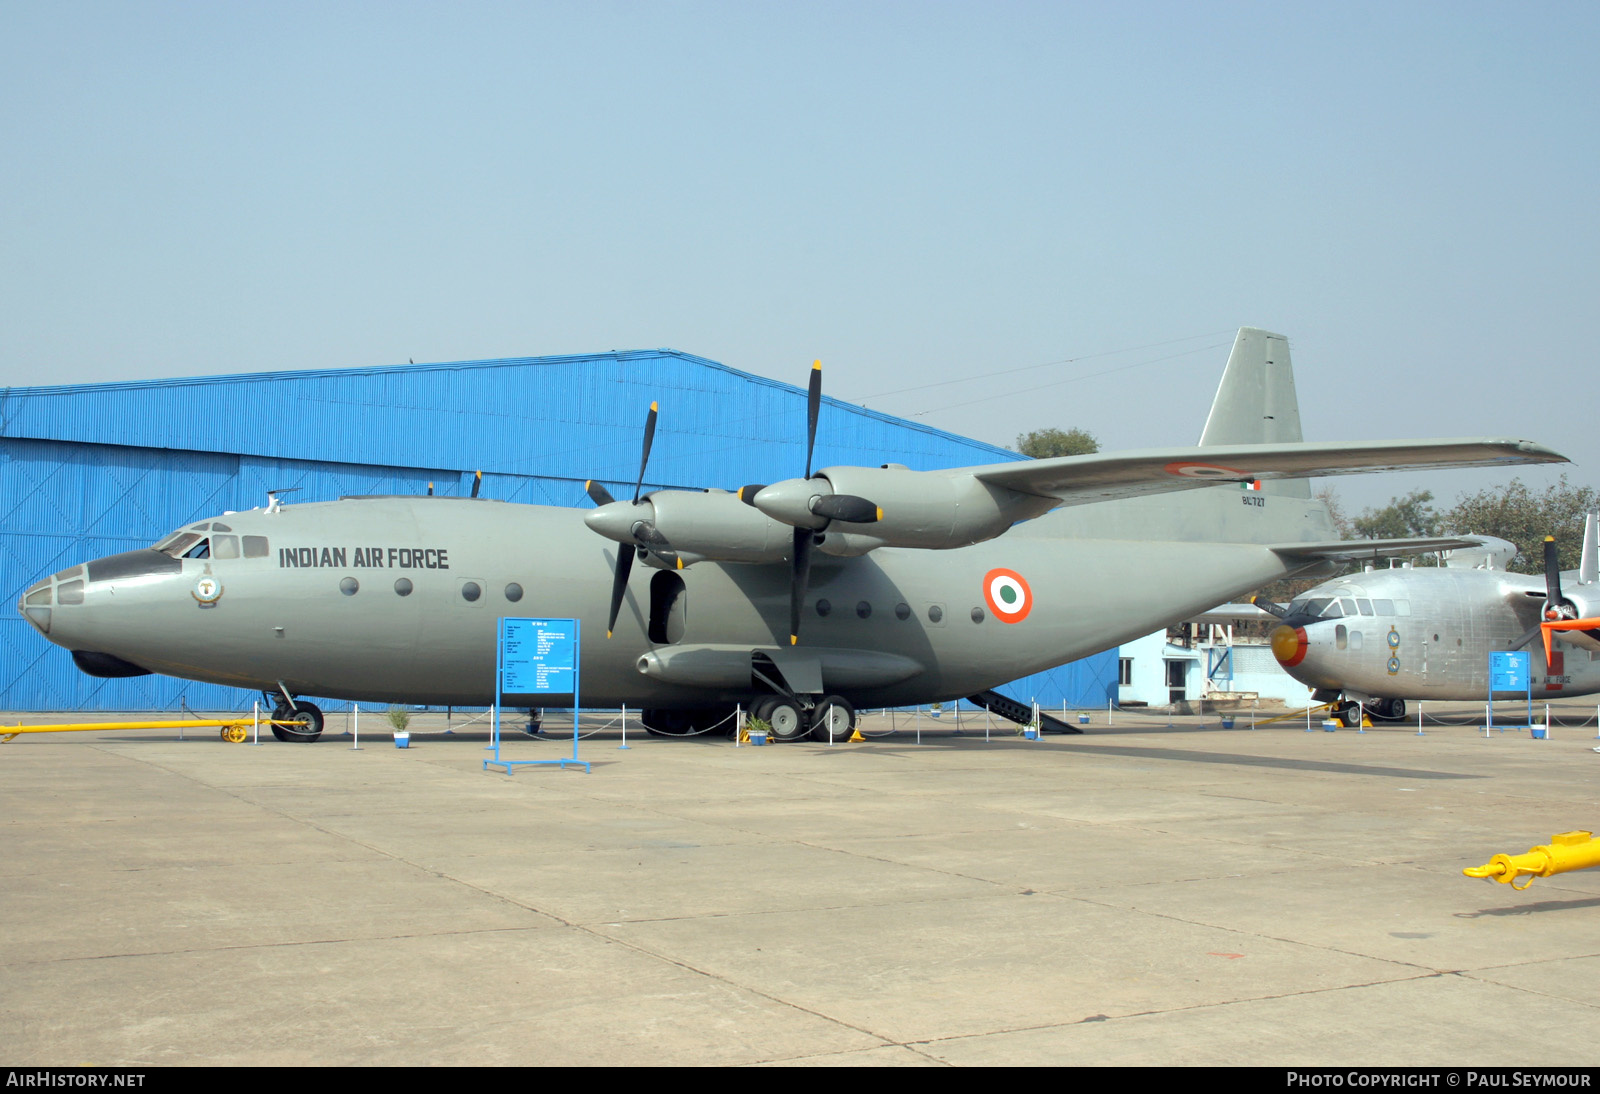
(816, 366)
(794, 640)
(653, 405)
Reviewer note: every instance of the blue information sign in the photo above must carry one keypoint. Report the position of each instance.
(1508, 670)
(538, 662)
(536, 666)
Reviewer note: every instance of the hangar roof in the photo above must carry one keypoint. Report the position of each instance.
(573, 417)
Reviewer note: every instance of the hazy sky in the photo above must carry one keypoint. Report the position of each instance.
(989, 217)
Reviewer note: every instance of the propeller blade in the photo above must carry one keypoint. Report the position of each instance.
(1526, 637)
(1280, 611)
(803, 538)
(619, 585)
(597, 493)
(1555, 605)
(747, 494)
(848, 508)
(813, 404)
(477, 483)
(644, 457)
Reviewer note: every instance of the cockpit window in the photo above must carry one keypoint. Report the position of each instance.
(199, 550)
(177, 543)
(224, 546)
(1321, 607)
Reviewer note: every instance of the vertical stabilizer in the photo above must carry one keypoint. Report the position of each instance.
(1256, 401)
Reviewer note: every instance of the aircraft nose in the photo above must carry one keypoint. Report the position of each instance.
(1289, 645)
(38, 604)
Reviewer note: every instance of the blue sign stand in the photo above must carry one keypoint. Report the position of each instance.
(536, 665)
(1510, 670)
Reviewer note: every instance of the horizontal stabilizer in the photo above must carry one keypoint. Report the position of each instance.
(1354, 550)
(1077, 480)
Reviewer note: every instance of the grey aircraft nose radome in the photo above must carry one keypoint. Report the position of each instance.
(803, 600)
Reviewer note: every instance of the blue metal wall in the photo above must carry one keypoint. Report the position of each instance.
(95, 469)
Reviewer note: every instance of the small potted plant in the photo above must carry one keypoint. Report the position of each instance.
(400, 718)
(757, 730)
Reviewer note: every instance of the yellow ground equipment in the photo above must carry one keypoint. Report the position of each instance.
(233, 730)
(1565, 851)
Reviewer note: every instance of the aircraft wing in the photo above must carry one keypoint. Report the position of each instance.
(1077, 480)
(1353, 550)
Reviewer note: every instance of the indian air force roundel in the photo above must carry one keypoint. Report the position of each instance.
(1008, 595)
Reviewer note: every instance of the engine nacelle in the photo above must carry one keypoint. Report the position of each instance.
(715, 525)
(927, 509)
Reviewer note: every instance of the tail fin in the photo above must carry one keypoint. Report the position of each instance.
(1256, 402)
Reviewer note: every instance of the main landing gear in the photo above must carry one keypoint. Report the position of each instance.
(305, 721)
(1384, 710)
(832, 719)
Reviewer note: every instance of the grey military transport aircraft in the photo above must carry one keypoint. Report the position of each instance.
(1379, 638)
(801, 600)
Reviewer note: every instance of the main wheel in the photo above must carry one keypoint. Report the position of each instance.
(786, 721)
(1389, 710)
(1350, 714)
(833, 720)
(306, 719)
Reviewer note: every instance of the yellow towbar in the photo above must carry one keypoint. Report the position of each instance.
(233, 729)
(1565, 851)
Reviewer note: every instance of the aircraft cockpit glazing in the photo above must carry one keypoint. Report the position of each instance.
(1312, 609)
(213, 539)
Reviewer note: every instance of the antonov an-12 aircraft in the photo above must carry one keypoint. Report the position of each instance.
(1379, 638)
(801, 600)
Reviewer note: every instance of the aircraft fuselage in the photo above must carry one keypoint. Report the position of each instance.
(1425, 634)
(396, 599)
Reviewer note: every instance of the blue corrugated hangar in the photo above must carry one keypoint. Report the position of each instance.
(94, 469)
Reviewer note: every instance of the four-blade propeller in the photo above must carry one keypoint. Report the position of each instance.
(631, 524)
(809, 505)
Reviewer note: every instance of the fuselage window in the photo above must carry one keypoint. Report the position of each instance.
(403, 586)
(470, 591)
(349, 586)
(255, 546)
(977, 615)
(935, 614)
(824, 607)
(902, 611)
(513, 592)
(864, 610)
(1341, 637)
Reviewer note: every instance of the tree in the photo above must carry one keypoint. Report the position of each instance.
(1402, 518)
(1514, 512)
(1042, 444)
